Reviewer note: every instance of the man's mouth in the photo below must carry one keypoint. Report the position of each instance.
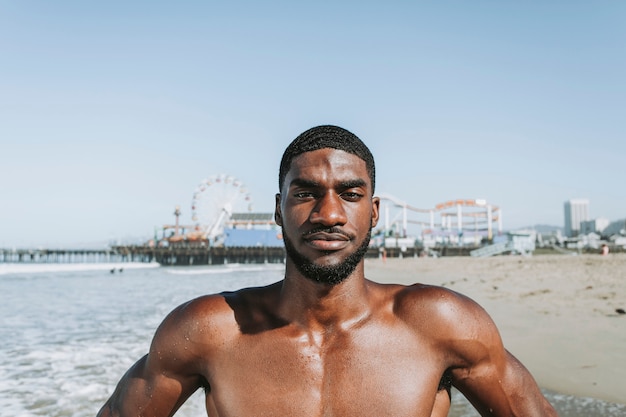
(327, 239)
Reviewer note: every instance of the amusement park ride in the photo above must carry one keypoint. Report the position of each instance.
(214, 202)
(223, 200)
(452, 220)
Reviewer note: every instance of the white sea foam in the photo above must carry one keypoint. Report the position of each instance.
(223, 269)
(31, 268)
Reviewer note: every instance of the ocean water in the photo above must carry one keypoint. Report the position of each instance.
(68, 333)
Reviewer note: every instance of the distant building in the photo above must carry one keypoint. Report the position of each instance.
(257, 221)
(252, 238)
(252, 230)
(594, 226)
(576, 212)
(616, 228)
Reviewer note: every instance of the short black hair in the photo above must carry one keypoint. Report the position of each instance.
(326, 136)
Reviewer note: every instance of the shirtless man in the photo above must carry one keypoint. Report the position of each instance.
(325, 341)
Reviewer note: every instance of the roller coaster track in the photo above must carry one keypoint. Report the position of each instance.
(480, 214)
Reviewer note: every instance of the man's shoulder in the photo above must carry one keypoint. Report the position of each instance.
(225, 303)
(420, 296)
(217, 313)
(430, 306)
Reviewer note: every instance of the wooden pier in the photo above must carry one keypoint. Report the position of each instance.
(179, 255)
(185, 254)
(61, 256)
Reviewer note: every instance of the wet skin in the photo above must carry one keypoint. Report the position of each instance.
(301, 347)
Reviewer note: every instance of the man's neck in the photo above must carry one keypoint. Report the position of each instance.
(317, 305)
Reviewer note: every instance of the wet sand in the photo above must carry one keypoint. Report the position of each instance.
(558, 314)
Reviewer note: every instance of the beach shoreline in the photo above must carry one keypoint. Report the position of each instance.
(558, 314)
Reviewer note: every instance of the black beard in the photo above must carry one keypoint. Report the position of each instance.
(332, 274)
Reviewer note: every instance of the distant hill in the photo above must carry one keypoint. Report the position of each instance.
(540, 228)
(545, 228)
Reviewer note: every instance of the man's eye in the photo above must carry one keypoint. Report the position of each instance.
(351, 196)
(304, 194)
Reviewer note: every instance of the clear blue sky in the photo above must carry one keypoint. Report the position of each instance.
(112, 112)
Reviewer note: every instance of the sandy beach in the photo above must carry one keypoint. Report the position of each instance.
(558, 314)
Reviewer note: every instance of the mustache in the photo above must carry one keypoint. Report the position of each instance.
(330, 230)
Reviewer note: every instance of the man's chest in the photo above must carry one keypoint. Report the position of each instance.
(365, 373)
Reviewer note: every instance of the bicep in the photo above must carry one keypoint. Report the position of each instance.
(472, 350)
(502, 389)
(491, 378)
(160, 382)
(150, 390)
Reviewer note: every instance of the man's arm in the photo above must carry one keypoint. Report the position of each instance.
(491, 378)
(160, 382)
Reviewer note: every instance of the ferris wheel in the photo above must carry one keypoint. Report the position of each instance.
(215, 200)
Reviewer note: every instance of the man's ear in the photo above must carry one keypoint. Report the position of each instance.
(375, 210)
(278, 218)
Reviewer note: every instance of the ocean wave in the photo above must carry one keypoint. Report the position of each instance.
(26, 268)
(223, 269)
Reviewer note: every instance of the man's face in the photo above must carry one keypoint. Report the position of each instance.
(326, 211)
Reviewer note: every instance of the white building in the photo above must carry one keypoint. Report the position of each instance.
(616, 228)
(576, 212)
(593, 226)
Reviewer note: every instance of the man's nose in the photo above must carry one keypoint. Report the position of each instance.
(329, 211)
